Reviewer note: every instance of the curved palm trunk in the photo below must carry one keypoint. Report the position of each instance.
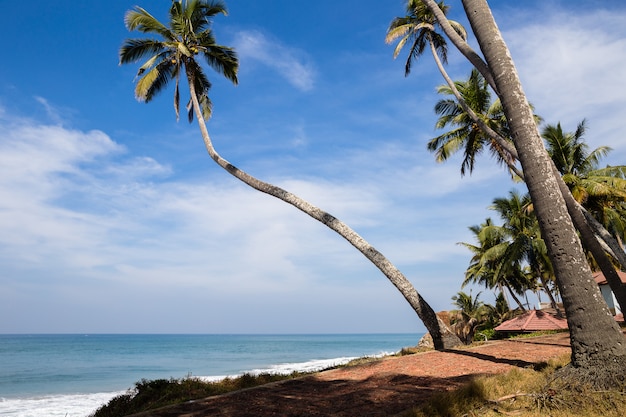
(595, 338)
(443, 337)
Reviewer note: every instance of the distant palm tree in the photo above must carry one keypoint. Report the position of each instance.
(526, 244)
(487, 266)
(470, 314)
(188, 35)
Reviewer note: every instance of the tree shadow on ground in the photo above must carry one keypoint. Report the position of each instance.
(376, 396)
(490, 358)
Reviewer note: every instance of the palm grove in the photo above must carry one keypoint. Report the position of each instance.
(187, 42)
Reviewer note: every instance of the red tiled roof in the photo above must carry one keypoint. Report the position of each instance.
(533, 321)
(601, 280)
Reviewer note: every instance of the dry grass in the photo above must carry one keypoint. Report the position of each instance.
(524, 393)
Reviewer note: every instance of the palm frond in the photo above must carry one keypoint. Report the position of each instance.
(154, 81)
(139, 19)
(134, 49)
(399, 27)
(223, 60)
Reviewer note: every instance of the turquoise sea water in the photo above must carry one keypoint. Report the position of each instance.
(71, 375)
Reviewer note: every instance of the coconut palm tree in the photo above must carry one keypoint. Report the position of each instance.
(465, 132)
(418, 28)
(595, 188)
(556, 208)
(470, 313)
(602, 191)
(188, 35)
(487, 263)
(526, 244)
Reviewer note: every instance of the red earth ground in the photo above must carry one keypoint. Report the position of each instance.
(380, 388)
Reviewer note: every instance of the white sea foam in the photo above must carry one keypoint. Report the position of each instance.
(288, 368)
(75, 405)
(82, 405)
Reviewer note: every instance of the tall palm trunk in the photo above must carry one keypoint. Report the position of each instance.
(592, 233)
(443, 337)
(596, 340)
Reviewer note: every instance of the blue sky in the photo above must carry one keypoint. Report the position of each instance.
(114, 219)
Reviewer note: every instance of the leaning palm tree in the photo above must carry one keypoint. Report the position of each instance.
(598, 349)
(188, 35)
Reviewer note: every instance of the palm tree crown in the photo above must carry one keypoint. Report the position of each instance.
(602, 191)
(465, 133)
(188, 34)
(418, 27)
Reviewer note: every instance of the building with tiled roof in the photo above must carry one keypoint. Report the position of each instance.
(533, 321)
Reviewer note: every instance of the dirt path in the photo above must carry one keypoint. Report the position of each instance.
(382, 388)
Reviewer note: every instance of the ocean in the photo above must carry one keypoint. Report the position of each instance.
(73, 375)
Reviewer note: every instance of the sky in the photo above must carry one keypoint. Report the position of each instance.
(113, 219)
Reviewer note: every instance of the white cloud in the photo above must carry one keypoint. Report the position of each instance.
(75, 206)
(571, 66)
(290, 63)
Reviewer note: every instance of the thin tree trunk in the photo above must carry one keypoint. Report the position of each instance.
(595, 337)
(443, 337)
(548, 291)
(498, 141)
(517, 301)
(460, 43)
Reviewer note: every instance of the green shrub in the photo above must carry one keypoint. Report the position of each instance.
(152, 394)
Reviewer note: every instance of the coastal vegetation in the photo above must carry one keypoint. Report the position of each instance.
(151, 394)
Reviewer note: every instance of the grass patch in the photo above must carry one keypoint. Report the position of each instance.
(535, 334)
(524, 393)
(151, 394)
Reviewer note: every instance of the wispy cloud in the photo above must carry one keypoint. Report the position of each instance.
(572, 68)
(290, 63)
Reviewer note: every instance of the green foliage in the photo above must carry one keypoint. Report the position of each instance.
(152, 394)
(186, 37)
